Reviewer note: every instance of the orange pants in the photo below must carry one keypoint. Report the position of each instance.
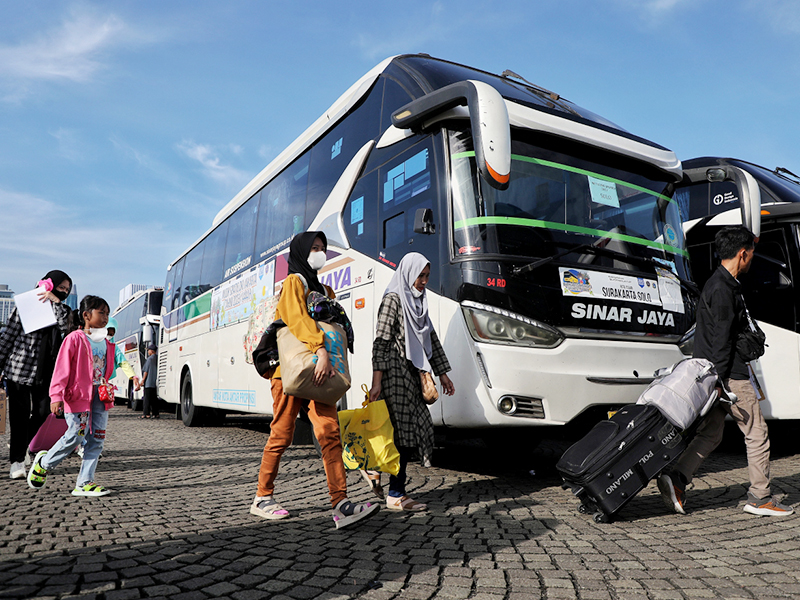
(325, 421)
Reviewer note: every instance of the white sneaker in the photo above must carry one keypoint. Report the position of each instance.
(18, 470)
(28, 460)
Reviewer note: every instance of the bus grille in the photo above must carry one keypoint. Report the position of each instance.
(162, 369)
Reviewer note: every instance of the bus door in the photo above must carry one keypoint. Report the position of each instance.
(359, 304)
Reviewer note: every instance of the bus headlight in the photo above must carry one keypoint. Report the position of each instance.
(493, 325)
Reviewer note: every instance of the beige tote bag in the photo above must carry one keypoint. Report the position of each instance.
(298, 364)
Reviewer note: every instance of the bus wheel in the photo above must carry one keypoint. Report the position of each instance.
(191, 415)
(136, 405)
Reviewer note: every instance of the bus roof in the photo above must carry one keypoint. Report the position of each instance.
(430, 73)
(135, 296)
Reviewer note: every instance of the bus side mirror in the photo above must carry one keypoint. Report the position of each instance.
(423, 221)
(147, 331)
(488, 115)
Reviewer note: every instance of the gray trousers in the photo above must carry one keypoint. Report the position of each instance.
(748, 416)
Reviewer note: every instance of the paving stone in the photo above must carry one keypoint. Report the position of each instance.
(489, 534)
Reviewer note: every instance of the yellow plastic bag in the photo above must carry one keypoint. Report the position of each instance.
(368, 438)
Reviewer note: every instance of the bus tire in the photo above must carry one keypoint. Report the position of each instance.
(191, 415)
(133, 403)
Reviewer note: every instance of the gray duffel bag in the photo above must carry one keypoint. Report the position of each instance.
(684, 391)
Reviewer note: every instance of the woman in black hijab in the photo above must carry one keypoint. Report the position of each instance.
(27, 361)
(306, 257)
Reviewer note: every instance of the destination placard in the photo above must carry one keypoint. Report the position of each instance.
(608, 286)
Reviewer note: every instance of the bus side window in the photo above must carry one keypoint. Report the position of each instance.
(406, 184)
(768, 286)
(169, 288)
(241, 237)
(280, 214)
(394, 96)
(331, 154)
(191, 273)
(213, 256)
(361, 215)
(176, 286)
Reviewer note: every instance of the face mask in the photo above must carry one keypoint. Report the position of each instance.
(415, 292)
(97, 334)
(60, 295)
(316, 260)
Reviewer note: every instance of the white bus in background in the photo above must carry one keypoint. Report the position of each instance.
(720, 191)
(558, 266)
(138, 320)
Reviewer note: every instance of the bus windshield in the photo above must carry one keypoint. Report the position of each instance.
(563, 196)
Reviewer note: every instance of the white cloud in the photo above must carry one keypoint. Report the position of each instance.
(782, 15)
(101, 254)
(69, 143)
(654, 11)
(267, 152)
(212, 165)
(72, 51)
(378, 43)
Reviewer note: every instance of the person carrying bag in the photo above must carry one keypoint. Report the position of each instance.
(306, 257)
(405, 348)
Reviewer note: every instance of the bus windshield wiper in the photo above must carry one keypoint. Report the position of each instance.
(542, 261)
(785, 174)
(689, 286)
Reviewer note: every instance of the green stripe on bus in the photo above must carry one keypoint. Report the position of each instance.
(198, 306)
(555, 165)
(463, 224)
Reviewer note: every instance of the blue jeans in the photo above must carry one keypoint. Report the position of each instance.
(89, 426)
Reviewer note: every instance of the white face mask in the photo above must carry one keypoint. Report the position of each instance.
(415, 292)
(316, 260)
(97, 334)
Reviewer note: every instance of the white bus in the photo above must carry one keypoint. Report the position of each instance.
(558, 265)
(718, 192)
(138, 320)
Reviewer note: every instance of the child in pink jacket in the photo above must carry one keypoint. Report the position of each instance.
(85, 362)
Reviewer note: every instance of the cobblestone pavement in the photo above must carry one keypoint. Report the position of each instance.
(177, 526)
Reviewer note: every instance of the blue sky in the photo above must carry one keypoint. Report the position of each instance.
(125, 126)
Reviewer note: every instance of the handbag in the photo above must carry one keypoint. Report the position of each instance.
(298, 364)
(368, 438)
(751, 342)
(105, 391)
(429, 392)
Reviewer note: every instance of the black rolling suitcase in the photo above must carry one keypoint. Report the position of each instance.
(618, 457)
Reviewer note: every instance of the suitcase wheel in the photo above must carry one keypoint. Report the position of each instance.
(584, 510)
(601, 517)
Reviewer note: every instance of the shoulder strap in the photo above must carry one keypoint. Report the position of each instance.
(303, 280)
